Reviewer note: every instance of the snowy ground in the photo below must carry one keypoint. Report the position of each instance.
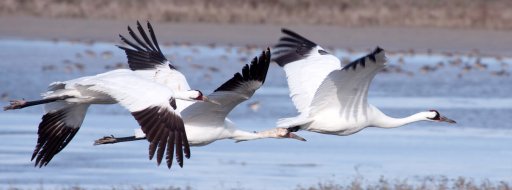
(473, 89)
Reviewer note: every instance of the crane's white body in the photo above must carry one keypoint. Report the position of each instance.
(204, 122)
(148, 94)
(324, 122)
(88, 90)
(66, 103)
(200, 135)
(332, 99)
(207, 122)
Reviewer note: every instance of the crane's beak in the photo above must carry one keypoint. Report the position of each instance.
(294, 136)
(445, 119)
(205, 99)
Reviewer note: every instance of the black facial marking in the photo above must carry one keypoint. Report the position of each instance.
(172, 102)
(437, 117)
(200, 97)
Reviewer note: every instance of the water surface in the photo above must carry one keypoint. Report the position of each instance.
(457, 85)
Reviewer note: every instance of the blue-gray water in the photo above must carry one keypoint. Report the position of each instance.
(470, 88)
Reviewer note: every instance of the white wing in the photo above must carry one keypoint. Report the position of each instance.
(149, 103)
(306, 65)
(234, 91)
(147, 60)
(347, 89)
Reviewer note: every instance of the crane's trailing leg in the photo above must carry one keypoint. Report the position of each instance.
(18, 104)
(112, 140)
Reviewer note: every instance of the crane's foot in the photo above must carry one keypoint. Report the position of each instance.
(106, 140)
(112, 140)
(15, 104)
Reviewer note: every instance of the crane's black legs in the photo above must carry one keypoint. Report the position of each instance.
(18, 104)
(112, 140)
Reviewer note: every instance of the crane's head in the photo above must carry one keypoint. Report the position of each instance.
(286, 133)
(435, 116)
(197, 95)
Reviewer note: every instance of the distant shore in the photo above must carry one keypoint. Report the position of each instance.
(472, 14)
(491, 42)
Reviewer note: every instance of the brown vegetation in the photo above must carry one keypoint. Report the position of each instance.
(427, 183)
(483, 14)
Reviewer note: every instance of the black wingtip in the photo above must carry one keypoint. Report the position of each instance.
(265, 64)
(255, 71)
(162, 137)
(287, 31)
(292, 47)
(292, 33)
(377, 50)
(186, 146)
(297, 36)
(53, 136)
(362, 61)
(143, 53)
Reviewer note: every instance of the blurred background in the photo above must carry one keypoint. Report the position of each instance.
(480, 14)
(454, 56)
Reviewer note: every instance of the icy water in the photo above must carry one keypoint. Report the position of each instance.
(471, 88)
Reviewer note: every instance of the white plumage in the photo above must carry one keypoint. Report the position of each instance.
(149, 91)
(133, 92)
(66, 104)
(207, 122)
(332, 99)
(204, 122)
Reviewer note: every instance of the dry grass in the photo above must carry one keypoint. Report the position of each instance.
(484, 14)
(427, 183)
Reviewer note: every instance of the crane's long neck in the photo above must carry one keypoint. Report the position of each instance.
(385, 121)
(241, 135)
(184, 95)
